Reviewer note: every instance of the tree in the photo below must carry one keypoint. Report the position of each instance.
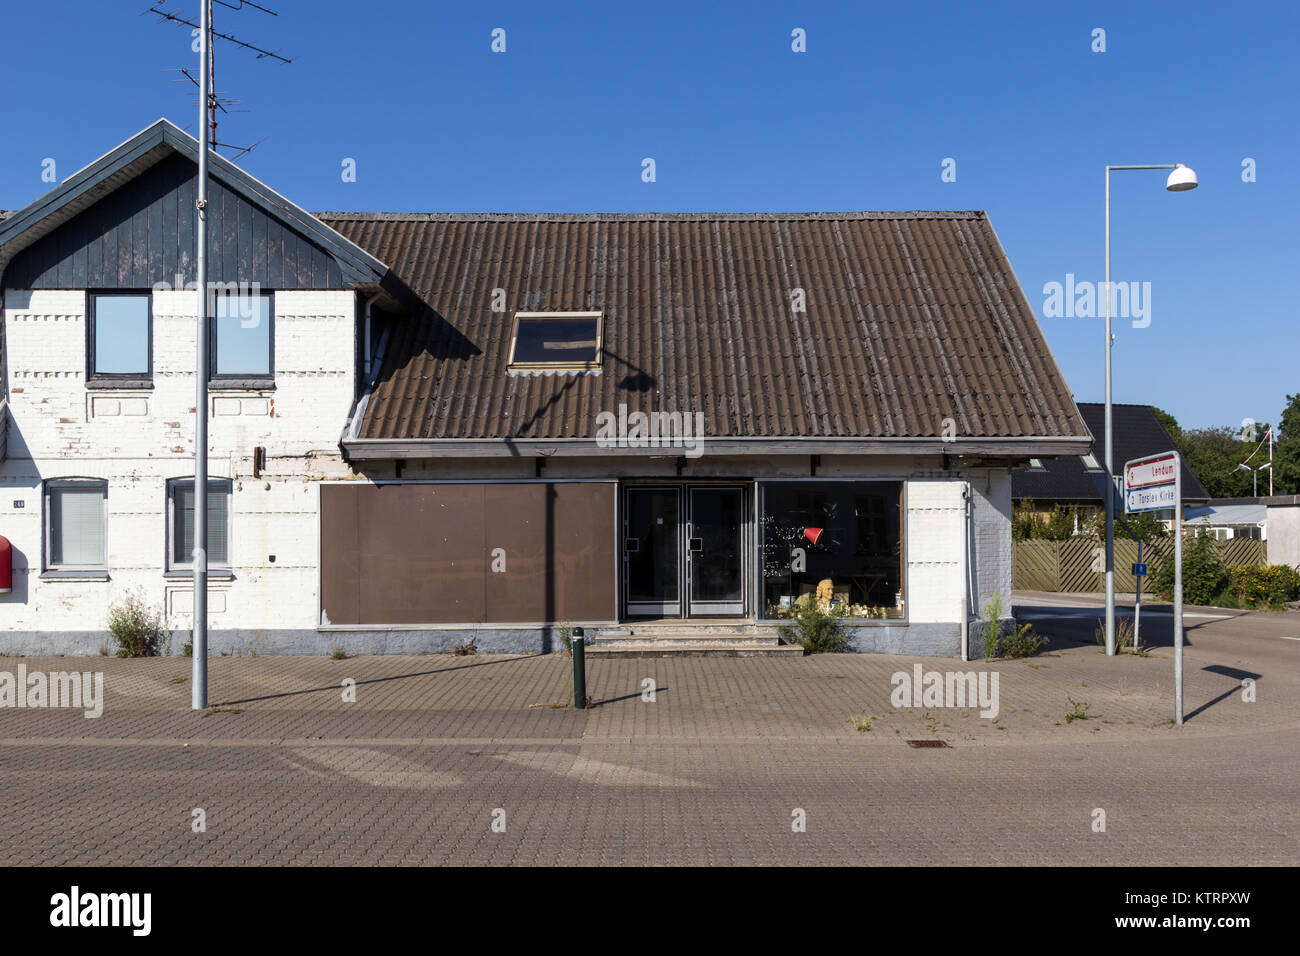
(1214, 454)
(1286, 454)
(1170, 423)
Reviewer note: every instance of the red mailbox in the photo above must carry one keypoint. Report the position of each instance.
(6, 566)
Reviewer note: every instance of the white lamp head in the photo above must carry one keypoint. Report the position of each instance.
(1181, 179)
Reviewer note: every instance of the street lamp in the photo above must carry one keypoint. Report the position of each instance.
(1181, 178)
(1254, 476)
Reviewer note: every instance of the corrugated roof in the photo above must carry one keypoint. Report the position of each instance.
(1137, 433)
(1227, 514)
(911, 318)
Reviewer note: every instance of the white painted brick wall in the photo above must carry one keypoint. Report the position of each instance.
(932, 549)
(137, 439)
(991, 519)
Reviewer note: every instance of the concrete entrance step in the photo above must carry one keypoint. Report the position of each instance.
(673, 638)
(657, 629)
(694, 647)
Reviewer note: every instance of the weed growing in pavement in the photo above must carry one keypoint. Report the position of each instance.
(991, 625)
(565, 632)
(1022, 641)
(468, 649)
(861, 724)
(1078, 710)
(338, 654)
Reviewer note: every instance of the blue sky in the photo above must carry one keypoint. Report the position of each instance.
(737, 121)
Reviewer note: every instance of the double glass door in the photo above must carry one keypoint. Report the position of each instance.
(683, 550)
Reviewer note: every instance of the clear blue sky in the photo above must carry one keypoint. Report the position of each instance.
(737, 121)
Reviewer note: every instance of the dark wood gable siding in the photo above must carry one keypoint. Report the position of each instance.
(143, 233)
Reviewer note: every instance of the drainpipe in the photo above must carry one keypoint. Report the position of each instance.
(965, 571)
(366, 365)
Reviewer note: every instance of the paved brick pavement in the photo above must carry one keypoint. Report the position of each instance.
(710, 772)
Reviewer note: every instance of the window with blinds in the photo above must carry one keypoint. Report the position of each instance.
(181, 524)
(74, 515)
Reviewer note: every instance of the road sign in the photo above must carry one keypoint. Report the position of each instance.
(1146, 472)
(1154, 483)
(1155, 498)
(1140, 570)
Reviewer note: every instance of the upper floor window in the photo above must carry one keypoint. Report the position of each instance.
(74, 525)
(569, 340)
(1090, 462)
(243, 342)
(119, 343)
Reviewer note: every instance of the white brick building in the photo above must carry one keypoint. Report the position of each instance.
(405, 438)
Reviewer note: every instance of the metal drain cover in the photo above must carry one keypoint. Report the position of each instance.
(927, 743)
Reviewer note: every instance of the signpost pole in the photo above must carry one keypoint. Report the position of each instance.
(1178, 588)
(1137, 603)
(1145, 489)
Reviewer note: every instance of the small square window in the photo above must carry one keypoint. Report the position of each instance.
(119, 337)
(180, 524)
(1090, 462)
(243, 336)
(556, 340)
(74, 525)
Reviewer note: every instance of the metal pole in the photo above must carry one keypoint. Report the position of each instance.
(1110, 469)
(1178, 587)
(1137, 605)
(199, 679)
(578, 642)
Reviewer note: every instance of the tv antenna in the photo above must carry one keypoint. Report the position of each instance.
(218, 102)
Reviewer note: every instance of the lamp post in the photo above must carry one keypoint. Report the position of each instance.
(1181, 178)
(1254, 477)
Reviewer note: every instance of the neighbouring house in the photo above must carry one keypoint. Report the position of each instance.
(1283, 529)
(1078, 482)
(1227, 519)
(428, 429)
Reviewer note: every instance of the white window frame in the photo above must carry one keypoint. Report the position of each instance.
(187, 567)
(55, 484)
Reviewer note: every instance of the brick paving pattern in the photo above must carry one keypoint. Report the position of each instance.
(708, 773)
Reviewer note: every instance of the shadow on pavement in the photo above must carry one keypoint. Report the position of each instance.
(375, 680)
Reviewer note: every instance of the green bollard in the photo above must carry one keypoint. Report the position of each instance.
(578, 642)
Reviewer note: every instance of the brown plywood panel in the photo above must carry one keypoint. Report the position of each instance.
(339, 570)
(421, 554)
(516, 522)
(583, 551)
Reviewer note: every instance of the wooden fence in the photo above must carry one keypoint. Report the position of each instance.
(1078, 564)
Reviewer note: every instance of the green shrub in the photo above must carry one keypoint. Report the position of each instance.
(1271, 586)
(1204, 576)
(137, 627)
(1060, 524)
(817, 631)
(1021, 641)
(1027, 524)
